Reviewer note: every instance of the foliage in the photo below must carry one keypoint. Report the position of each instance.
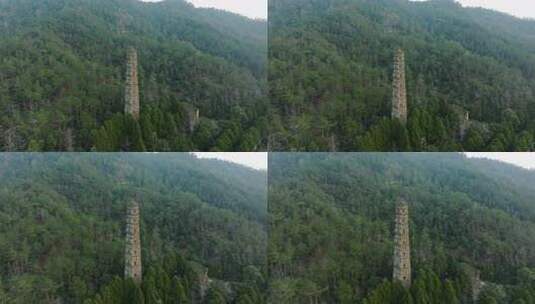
(62, 221)
(332, 225)
(63, 68)
(330, 67)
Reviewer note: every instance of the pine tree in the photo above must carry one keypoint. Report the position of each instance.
(178, 294)
(150, 291)
(344, 293)
(215, 296)
(133, 139)
(450, 296)
(148, 133)
(419, 290)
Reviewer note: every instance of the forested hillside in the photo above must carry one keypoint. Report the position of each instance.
(330, 76)
(471, 222)
(63, 218)
(62, 76)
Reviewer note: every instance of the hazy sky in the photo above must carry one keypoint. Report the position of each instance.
(256, 160)
(258, 8)
(525, 160)
(260, 160)
(250, 8)
(519, 8)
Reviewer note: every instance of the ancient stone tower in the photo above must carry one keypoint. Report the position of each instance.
(131, 95)
(132, 267)
(399, 94)
(402, 249)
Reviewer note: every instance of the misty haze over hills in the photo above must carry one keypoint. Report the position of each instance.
(250, 8)
(470, 76)
(202, 77)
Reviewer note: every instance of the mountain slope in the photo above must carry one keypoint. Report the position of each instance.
(64, 63)
(332, 228)
(331, 65)
(63, 216)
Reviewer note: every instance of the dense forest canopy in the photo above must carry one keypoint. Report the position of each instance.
(472, 228)
(330, 76)
(62, 76)
(63, 217)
